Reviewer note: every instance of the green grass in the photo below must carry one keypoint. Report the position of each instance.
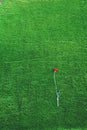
(35, 37)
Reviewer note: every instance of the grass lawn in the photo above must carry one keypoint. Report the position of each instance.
(35, 37)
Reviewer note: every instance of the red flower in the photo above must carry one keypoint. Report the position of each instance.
(55, 69)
